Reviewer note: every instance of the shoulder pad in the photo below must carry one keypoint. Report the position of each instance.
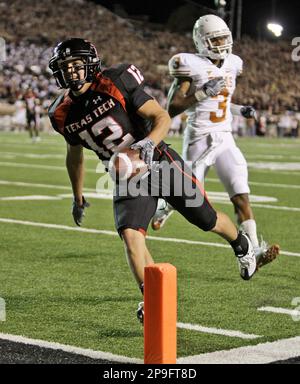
(114, 71)
(179, 66)
(129, 75)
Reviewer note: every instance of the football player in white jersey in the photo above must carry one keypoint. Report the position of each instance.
(203, 85)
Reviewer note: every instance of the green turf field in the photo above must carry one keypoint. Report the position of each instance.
(75, 288)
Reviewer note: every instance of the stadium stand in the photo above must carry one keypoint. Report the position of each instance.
(268, 82)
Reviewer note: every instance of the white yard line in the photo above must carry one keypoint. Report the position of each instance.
(39, 166)
(32, 146)
(279, 172)
(266, 206)
(283, 311)
(217, 331)
(43, 155)
(259, 354)
(273, 166)
(70, 349)
(31, 198)
(273, 157)
(106, 194)
(271, 185)
(112, 233)
(36, 185)
(61, 156)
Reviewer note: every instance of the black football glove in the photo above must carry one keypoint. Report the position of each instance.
(78, 211)
(248, 112)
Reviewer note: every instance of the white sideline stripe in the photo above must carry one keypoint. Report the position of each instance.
(48, 186)
(273, 166)
(259, 354)
(212, 180)
(276, 207)
(43, 155)
(295, 144)
(284, 311)
(287, 173)
(57, 168)
(30, 198)
(273, 157)
(271, 185)
(70, 349)
(112, 233)
(217, 331)
(39, 166)
(216, 197)
(107, 196)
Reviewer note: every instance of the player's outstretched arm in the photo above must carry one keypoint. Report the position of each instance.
(246, 111)
(75, 167)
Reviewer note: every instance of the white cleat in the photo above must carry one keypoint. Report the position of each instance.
(247, 263)
(140, 312)
(266, 254)
(163, 212)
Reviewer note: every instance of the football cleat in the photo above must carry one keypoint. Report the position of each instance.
(163, 212)
(265, 254)
(140, 312)
(247, 263)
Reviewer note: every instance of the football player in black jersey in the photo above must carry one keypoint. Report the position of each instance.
(108, 110)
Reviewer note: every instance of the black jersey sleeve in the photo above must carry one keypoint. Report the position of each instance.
(68, 139)
(130, 80)
(133, 81)
(51, 111)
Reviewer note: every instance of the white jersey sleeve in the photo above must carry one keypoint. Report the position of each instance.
(238, 63)
(179, 66)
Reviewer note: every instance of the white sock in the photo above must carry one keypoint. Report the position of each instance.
(249, 226)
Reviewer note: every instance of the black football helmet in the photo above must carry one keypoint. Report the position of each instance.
(70, 50)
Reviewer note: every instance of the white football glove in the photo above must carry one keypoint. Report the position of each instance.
(210, 89)
(214, 86)
(146, 147)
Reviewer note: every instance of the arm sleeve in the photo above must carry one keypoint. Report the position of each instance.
(133, 82)
(51, 115)
(236, 109)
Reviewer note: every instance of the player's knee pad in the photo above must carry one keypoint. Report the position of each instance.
(238, 187)
(206, 219)
(210, 222)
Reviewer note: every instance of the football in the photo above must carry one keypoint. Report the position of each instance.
(126, 164)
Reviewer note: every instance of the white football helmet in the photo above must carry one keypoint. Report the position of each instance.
(208, 28)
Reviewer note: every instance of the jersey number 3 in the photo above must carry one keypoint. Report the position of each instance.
(222, 106)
